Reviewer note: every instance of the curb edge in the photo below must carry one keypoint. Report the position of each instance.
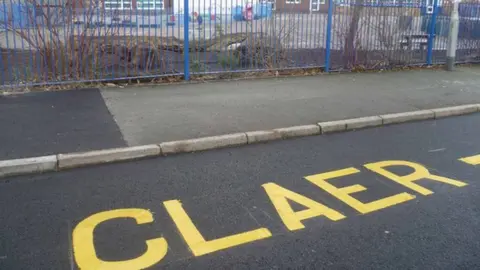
(66, 161)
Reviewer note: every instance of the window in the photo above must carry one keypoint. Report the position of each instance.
(145, 5)
(398, 3)
(150, 4)
(293, 1)
(112, 6)
(343, 2)
(118, 4)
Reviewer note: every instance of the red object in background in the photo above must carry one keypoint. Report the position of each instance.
(248, 12)
(212, 17)
(172, 18)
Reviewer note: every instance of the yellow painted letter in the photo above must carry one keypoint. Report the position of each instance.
(279, 195)
(343, 193)
(84, 249)
(419, 173)
(195, 240)
(473, 160)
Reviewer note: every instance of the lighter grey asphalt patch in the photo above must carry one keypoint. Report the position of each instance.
(152, 114)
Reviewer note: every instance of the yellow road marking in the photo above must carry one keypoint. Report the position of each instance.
(292, 220)
(420, 172)
(473, 160)
(84, 249)
(343, 194)
(83, 239)
(198, 245)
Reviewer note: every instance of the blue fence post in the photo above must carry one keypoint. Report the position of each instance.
(431, 32)
(329, 35)
(186, 42)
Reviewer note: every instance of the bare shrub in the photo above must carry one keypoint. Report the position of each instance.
(61, 48)
(69, 44)
(260, 50)
(267, 48)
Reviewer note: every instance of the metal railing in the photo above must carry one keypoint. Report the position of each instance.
(65, 41)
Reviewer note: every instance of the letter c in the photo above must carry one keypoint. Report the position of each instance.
(84, 248)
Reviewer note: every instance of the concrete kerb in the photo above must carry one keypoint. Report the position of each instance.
(298, 131)
(202, 144)
(363, 122)
(28, 165)
(457, 110)
(332, 126)
(397, 118)
(262, 136)
(72, 160)
(350, 124)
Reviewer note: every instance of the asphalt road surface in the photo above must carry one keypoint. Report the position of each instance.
(45, 123)
(396, 197)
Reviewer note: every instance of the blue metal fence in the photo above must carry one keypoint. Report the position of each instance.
(58, 41)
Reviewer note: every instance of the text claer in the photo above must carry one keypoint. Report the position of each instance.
(156, 249)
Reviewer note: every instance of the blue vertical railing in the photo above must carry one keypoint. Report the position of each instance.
(292, 37)
(328, 38)
(431, 33)
(186, 42)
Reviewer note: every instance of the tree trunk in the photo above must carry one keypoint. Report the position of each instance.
(349, 50)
